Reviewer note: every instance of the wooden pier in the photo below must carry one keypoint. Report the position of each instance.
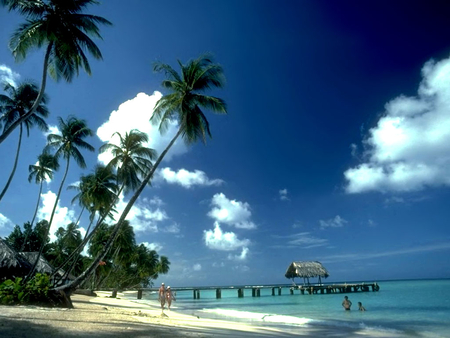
(276, 290)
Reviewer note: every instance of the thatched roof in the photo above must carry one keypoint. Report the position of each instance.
(12, 264)
(42, 266)
(306, 269)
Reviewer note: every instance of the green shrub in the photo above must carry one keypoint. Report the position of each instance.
(35, 291)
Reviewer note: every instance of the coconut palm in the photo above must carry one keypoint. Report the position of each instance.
(185, 104)
(40, 172)
(16, 105)
(67, 144)
(97, 193)
(64, 30)
(131, 159)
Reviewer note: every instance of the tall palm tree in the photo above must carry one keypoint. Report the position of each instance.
(184, 103)
(63, 29)
(14, 106)
(73, 132)
(40, 172)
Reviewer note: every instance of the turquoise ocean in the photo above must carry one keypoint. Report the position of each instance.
(411, 308)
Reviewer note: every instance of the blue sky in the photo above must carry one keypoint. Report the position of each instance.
(336, 146)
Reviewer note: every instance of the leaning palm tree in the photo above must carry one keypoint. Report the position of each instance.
(61, 27)
(40, 172)
(131, 159)
(16, 105)
(185, 104)
(73, 132)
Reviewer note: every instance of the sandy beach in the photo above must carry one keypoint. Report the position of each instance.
(113, 317)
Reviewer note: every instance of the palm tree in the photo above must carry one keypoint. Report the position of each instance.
(60, 27)
(184, 103)
(14, 106)
(131, 159)
(73, 133)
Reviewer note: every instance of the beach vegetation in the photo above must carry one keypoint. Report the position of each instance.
(34, 291)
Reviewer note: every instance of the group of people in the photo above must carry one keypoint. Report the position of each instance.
(165, 295)
(347, 304)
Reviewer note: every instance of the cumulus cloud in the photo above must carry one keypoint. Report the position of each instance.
(8, 75)
(231, 212)
(409, 148)
(141, 217)
(153, 246)
(187, 179)
(241, 257)
(6, 226)
(63, 215)
(226, 241)
(283, 195)
(336, 222)
(197, 267)
(135, 114)
(52, 130)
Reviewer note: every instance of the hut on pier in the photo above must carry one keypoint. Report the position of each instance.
(12, 264)
(306, 270)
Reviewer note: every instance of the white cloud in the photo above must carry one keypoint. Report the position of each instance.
(8, 75)
(226, 241)
(197, 267)
(231, 212)
(303, 240)
(6, 226)
(187, 179)
(63, 215)
(156, 201)
(153, 246)
(135, 114)
(174, 228)
(218, 265)
(141, 217)
(336, 222)
(409, 148)
(52, 130)
(242, 257)
(283, 195)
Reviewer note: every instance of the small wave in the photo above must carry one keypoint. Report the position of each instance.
(261, 317)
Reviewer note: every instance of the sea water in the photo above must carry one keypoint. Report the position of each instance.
(419, 308)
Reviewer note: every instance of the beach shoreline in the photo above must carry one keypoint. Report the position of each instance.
(103, 316)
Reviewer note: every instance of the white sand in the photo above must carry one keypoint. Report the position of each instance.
(113, 317)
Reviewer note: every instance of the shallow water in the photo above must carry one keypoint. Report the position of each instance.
(419, 308)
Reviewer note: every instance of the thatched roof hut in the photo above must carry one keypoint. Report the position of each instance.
(306, 269)
(12, 264)
(42, 266)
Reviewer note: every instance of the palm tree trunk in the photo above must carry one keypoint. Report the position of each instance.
(37, 204)
(34, 216)
(49, 223)
(36, 102)
(88, 235)
(14, 166)
(74, 284)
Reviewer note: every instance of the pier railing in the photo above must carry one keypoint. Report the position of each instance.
(311, 289)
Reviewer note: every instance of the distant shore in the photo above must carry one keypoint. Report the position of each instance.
(113, 317)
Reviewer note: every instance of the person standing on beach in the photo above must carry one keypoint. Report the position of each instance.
(169, 297)
(346, 304)
(162, 296)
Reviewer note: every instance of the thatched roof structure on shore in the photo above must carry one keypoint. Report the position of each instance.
(306, 269)
(42, 266)
(12, 264)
